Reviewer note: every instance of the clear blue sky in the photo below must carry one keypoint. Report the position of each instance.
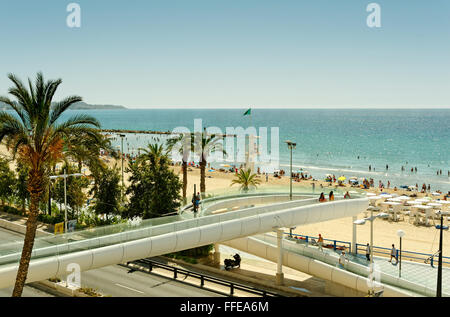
(233, 53)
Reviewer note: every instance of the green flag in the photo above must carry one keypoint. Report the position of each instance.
(248, 112)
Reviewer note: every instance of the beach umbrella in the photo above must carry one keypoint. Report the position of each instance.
(225, 165)
(342, 178)
(328, 175)
(354, 177)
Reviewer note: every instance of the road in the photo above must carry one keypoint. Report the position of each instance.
(116, 281)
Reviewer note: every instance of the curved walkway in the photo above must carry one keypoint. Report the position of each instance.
(108, 245)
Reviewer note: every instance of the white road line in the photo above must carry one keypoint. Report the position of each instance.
(131, 289)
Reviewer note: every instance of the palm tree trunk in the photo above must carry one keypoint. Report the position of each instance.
(203, 177)
(184, 168)
(27, 246)
(36, 189)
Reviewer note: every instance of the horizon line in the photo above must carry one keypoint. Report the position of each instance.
(287, 108)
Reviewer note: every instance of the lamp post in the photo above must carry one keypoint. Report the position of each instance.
(439, 275)
(291, 146)
(401, 234)
(362, 222)
(65, 193)
(121, 154)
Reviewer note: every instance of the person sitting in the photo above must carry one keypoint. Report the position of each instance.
(331, 196)
(322, 198)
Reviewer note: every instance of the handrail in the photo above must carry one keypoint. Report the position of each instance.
(408, 254)
(207, 278)
(378, 250)
(334, 242)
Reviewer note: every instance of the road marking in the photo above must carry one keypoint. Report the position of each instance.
(131, 289)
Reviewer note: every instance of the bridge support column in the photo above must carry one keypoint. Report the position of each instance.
(280, 275)
(353, 250)
(216, 254)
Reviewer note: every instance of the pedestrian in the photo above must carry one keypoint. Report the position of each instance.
(194, 202)
(320, 242)
(393, 254)
(342, 260)
(368, 252)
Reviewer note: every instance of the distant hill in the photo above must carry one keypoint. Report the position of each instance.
(79, 106)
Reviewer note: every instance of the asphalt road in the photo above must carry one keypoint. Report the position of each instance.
(28, 291)
(116, 281)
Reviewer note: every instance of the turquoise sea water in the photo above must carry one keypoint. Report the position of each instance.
(328, 141)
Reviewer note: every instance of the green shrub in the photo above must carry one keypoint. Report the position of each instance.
(11, 210)
(50, 219)
(199, 252)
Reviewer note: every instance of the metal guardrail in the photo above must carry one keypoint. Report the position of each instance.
(406, 255)
(334, 244)
(150, 264)
(410, 255)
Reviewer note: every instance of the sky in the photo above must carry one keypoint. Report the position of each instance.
(234, 53)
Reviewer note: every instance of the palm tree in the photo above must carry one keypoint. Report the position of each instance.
(86, 151)
(246, 179)
(36, 138)
(154, 154)
(187, 145)
(208, 144)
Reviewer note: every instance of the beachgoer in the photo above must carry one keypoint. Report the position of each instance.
(347, 195)
(320, 242)
(331, 196)
(368, 252)
(322, 198)
(267, 177)
(393, 254)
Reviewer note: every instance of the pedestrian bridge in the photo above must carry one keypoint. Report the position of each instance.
(241, 216)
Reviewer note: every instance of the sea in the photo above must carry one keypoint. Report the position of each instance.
(328, 141)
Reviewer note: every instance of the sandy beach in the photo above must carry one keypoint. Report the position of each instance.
(418, 238)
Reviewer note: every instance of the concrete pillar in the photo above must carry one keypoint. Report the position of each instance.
(280, 275)
(353, 250)
(216, 254)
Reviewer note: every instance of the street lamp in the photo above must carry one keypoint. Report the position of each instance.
(291, 146)
(362, 222)
(401, 234)
(121, 154)
(65, 193)
(439, 275)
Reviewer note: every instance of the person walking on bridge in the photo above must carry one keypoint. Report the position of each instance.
(320, 242)
(393, 254)
(368, 252)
